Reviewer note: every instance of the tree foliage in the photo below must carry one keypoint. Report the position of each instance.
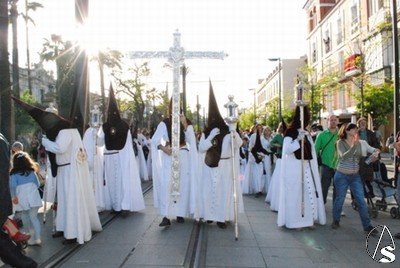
(64, 55)
(135, 89)
(246, 120)
(378, 101)
(24, 123)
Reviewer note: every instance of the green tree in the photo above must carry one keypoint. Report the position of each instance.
(314, 91)
(246, 120)
(111, 59)
(64, 55)
(24, 122)
(135, 89)
(378, 101)
(29, 6)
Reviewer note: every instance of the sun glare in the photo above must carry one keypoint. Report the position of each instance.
(89, 38)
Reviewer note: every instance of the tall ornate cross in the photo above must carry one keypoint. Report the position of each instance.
(176, 56)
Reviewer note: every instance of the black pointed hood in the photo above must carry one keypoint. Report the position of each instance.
(213, 154)
(258, 148)
(115, 129)
(51, 124)
(283, 124)
(214, 116)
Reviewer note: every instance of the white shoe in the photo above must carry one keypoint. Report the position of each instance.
(342, 214)
(36, 242)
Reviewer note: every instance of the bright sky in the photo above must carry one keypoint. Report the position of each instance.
(250, 31)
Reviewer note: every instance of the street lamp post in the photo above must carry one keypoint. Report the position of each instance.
(279, 85)
(198, 107)
(254, 105)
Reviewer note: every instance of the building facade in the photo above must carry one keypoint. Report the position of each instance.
(341, 34)
(43, 84)
(275, 92)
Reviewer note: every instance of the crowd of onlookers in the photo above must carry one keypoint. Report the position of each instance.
(347, 155)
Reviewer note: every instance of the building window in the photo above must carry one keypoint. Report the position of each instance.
(314, 53)
(339, 37)
(327, 42)
(341, 62)
(354, 18)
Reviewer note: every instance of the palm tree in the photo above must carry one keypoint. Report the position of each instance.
(33, 6)
(111, 59)
(6, 126)
(64, 55)
(15, 57)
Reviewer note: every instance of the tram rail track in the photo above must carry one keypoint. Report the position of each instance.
(69, 250)
(194, 256)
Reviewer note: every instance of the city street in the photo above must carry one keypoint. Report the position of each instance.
(138, 241)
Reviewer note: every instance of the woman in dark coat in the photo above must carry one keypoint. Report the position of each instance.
(5, 197)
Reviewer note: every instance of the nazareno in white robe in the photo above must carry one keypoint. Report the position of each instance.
(267, 164)
(76, 208)
(96, 166)
(122, 177)
(186, 203)
(254, 171)
(216, 184)
(141, 161)
(290, 194)
(273, 191)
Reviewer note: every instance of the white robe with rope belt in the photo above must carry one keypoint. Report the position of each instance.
(76, 207)
(122, 177)
(96, 165)
(216, 192)
(291, 188)
(186, 203)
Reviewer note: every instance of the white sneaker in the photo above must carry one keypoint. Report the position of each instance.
(36, 242)
(342, 214)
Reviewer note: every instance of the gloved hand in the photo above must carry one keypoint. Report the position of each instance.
(301, 135)
(260, 154)
(45, 140)
(214, 132)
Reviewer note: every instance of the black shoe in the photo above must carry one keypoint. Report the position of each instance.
(180, 220)
(69, 241)
(258, 194)
(221, 225)
(370, 195)
(209, 222)
(124, 213)
(335, 224)
(57, 234)
(165, 222)
(371, 230)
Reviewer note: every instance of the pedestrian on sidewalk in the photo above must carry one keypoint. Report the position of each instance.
(349, 150)
(9, 252)
(389, 145)
(300, 198)
(24, 184)
(396, 146)
(367, 170)
(325, 147)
